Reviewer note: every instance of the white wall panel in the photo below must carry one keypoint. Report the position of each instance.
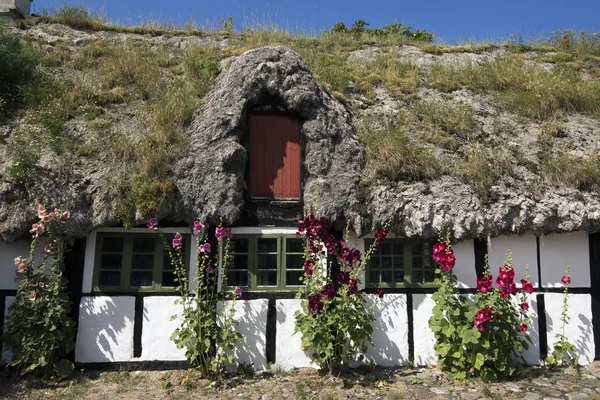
(524, 251)
(558, 251)
(8, 253)
(157, 328)
(288, 352)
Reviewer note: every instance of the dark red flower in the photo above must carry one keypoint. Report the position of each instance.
(523, 328)
(380, 235)
(524, 306)
(353, 286)
(342, 277)
(328, 291)
(485, 284)
(314, 304)
(379, 292)
(566, 280)
(309, 266)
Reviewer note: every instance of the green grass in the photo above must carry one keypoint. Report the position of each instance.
(454, 119)
(529, 91)
(561, 168)
(393, 156)
(483, 167)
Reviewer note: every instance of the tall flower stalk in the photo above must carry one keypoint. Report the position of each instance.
(207, 330)
(335, 322)
(38, 330)
(562, 348)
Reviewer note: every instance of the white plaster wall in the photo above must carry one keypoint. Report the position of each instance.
(424, 338)
(157, 328)
(559, 250)
(6, 355)
(390, 330)
(524, 251)
(251, 316)
(8, 253)
(288, 352)
(579, 330)
(105, 330)
(465, 264)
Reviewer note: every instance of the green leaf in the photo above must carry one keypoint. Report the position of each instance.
(479, 361)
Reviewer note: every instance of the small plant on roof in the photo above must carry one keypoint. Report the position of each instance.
(562, 353)
(486, 339)
(335, 322)
(207, 330)
(38, 330)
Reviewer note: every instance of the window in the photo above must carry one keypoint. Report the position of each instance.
(135, 262)
(266, 262)
(398, 263)
(274, 156)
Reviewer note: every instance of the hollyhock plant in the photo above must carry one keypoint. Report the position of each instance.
(221, 233)
(204, 248)
(485, 284)
(527, 286)
(566, 280)
(152, 224)
(332, 273)
(198, 228)
(563, 352)
(177, 241)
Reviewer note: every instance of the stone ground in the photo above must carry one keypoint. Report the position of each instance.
(404, 383)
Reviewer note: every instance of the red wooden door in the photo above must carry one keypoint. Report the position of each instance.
(274, 156)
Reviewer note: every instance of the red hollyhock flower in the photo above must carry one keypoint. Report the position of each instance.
(379, 292)
(380, 235)
(484, 284)
(309, 266)
(523, 328)
(448, 260)
(482, 317)
(438, 250)
(524, 306)
(566, 280)
(527, 286)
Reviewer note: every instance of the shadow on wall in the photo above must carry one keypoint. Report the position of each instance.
(252, 324)
(101, 326)
(581, 342)
(389, 329)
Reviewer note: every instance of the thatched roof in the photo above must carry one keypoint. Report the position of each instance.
(488, 174)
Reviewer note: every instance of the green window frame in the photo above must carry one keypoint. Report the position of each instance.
(135, 262)
(400, 263)
(265, 262)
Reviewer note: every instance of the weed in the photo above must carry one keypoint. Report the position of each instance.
(482, 168)
(25, 157)
(559, 167)
(454, 119)
(393, 156)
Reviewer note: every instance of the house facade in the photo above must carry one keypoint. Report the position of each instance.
(270, 144)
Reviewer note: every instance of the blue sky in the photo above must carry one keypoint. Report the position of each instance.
(452, 20)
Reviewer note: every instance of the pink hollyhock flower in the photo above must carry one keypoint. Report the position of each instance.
(524, 306)
(32, 296)
(177, 240)
(51, 216)
(379, 292)
(41, 210)
(37, 229)
(237, 291)
(523, 328)
(221, 233)
(47, 248)
(152, 224)
(204, 248)
(527, 286)
(66, 215)
(566, 280)
(42, 285)
(380, 235)
(209, 270)
(198, 227)
(438, 250)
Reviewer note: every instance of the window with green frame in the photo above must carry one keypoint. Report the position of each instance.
(400, 263)
(135, 262)
(266, 262)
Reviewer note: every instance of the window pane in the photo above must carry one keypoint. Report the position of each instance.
(386, 262)
(417, 262)
(237, 278)
(141, 278)
(266, 278)
(267, 261)
(429, 275)
(294, 245)
(374, 263)
(112, 245)
(374, 277)
(168, 279)
(398, 276)
(111, 261)
(386, 276)
(239, 245)
(294, 261)
(417, 276)
(417, 249)
(398, 248)
(386, 248)
(398, 263)
(142, 261)
(267, 245)
(109, 278)
(167, 263)
(240, 262)
(293, 277)
(143, 245)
